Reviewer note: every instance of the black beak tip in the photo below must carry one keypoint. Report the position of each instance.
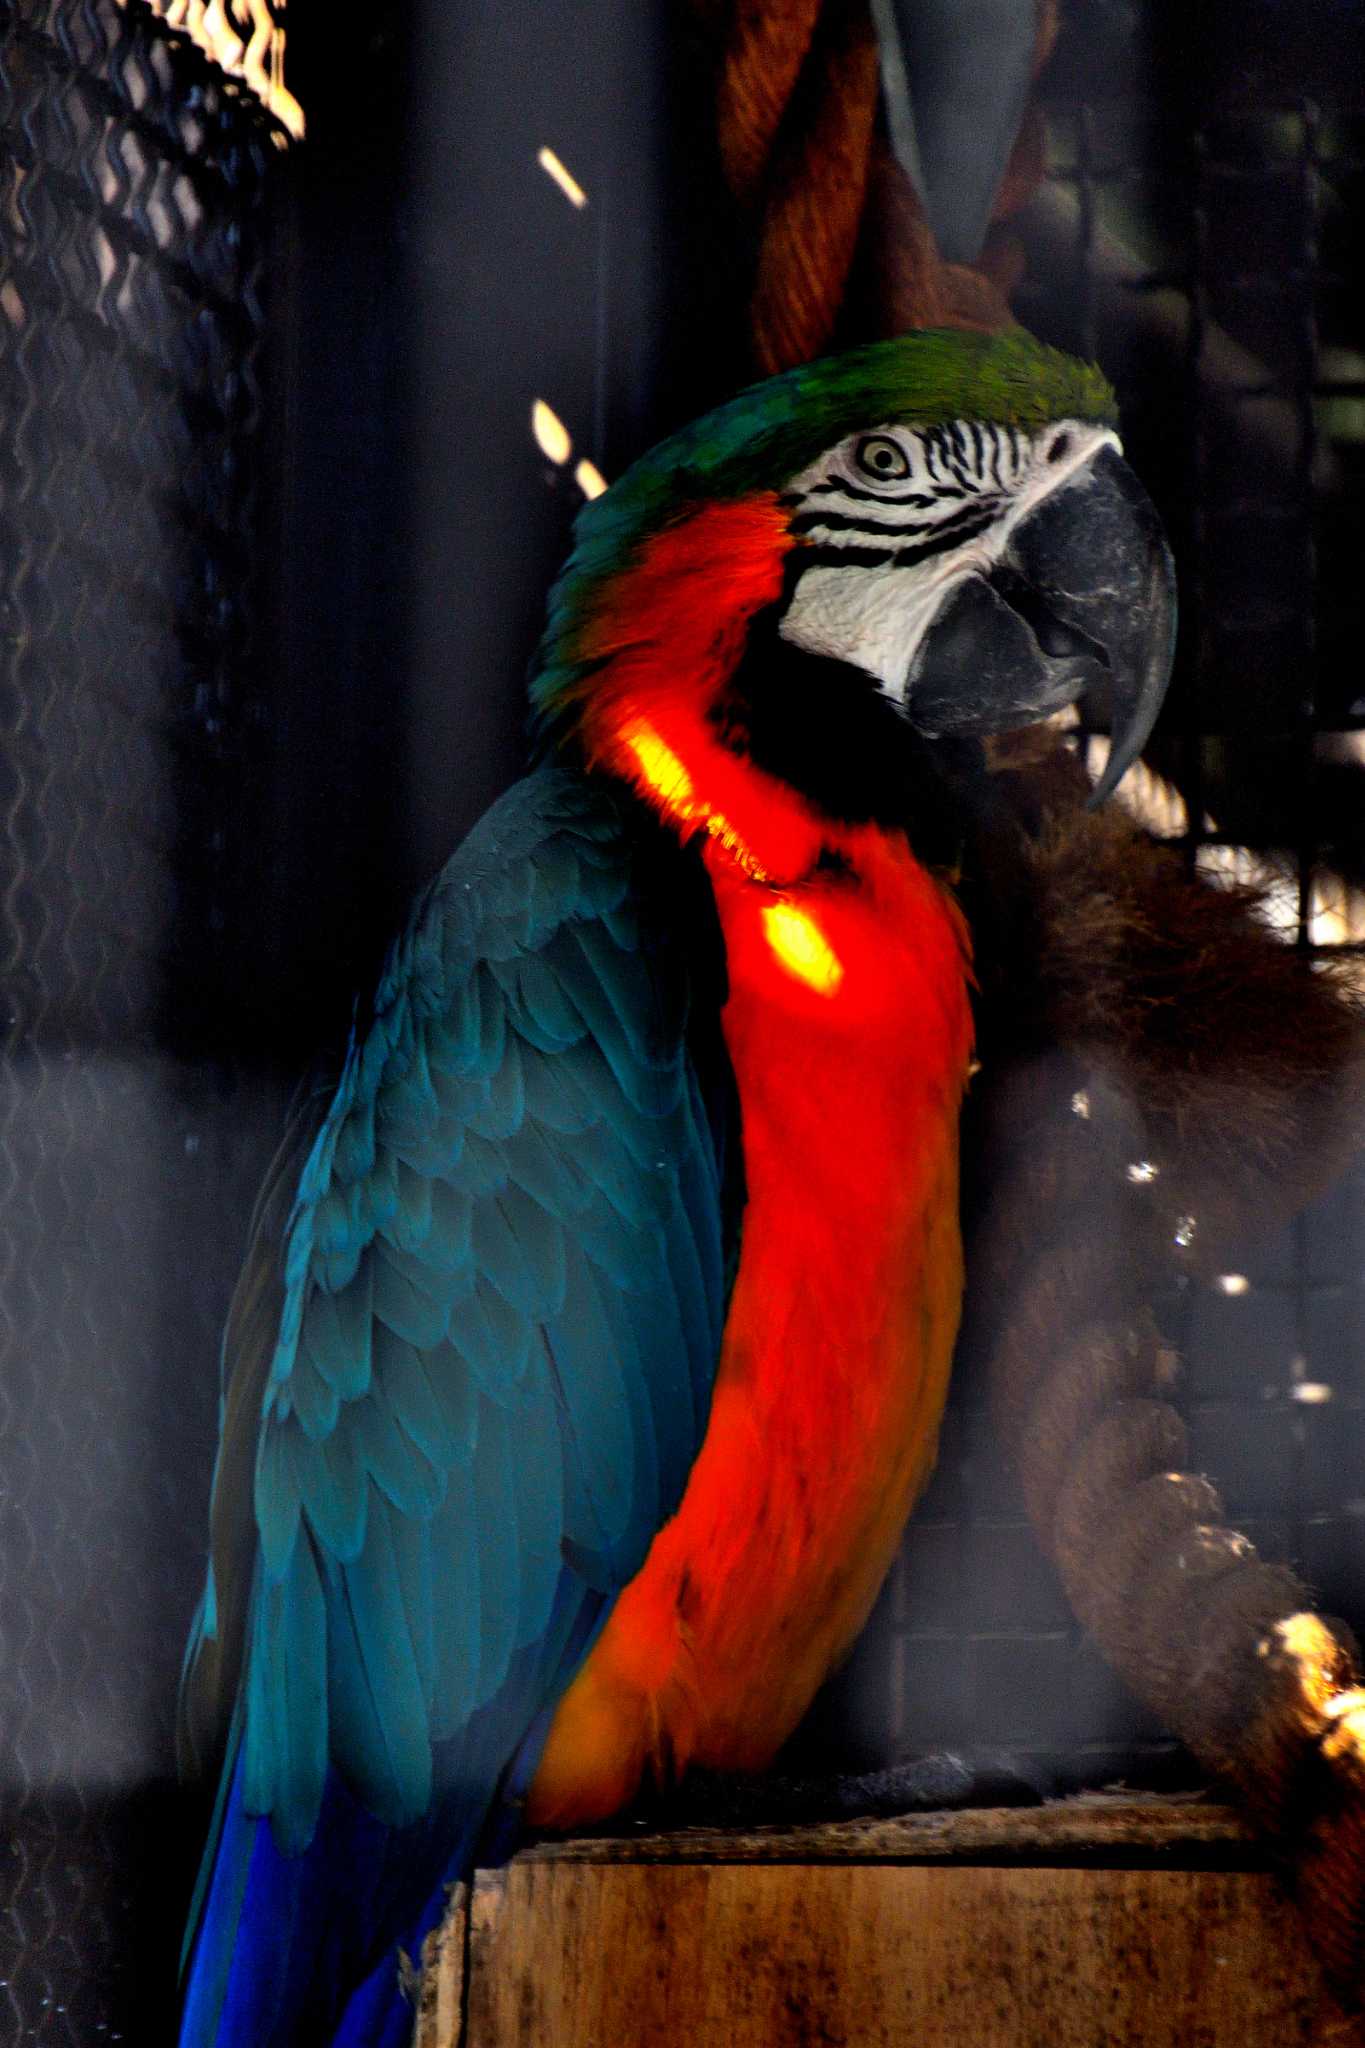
(1081, 607)
(1138, 700)
(1115, 768)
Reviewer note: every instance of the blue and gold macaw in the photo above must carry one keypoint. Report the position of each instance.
(593, 1339)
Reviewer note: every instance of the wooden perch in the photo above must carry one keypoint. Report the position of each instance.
(1093, 1923)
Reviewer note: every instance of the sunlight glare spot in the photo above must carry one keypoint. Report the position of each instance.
(802, 947)
(246, 40)
(552, 436)
(563, 177)
(589, 479)
(660, 768)
(665, 778)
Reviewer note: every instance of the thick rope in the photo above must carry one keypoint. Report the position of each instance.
(841, 247)
(1223, 1646)
(1094, 1190)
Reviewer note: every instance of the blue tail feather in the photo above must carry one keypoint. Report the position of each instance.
(279, 1933)
(379, 2015)
(302, 1951)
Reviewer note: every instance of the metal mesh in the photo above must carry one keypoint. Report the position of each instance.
(131, 176)
(245, 38)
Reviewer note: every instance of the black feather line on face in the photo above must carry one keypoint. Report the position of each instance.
(856, 522)
(952, 533)
(827, 730)
(836, 487)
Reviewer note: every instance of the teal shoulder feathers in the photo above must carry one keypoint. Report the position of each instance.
(492, 1333)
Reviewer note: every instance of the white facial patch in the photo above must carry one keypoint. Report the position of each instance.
(894, 519)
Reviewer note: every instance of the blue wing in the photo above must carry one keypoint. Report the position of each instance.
(460, 1404)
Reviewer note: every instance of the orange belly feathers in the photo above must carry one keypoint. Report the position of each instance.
(849, 1029)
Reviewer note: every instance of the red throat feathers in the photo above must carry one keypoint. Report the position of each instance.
(848, 1025)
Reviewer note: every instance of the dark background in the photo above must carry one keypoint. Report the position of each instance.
(275, 539)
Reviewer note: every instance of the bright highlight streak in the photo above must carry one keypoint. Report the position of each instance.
(661, 769)
(589, 479)
(1233, 1283)
(802, 947)
(552, 436)
(245, 38)
(565, 179)
(664, 775)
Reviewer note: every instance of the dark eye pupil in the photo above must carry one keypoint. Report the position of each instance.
(882, 458)
(1060, 448)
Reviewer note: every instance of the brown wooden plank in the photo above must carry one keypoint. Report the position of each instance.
(1095, 1826)
(1007, 1928)
(576, 1954)
(440, 2007)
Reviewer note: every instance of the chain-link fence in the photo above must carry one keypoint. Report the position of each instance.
(131, 182)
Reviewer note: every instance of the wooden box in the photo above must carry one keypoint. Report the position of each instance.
(1092, 1923)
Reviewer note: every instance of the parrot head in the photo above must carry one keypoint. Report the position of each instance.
(928, 539)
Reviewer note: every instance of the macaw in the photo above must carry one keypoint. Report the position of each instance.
(593, 1338)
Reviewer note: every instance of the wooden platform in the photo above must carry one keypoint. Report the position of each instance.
(1093, 1923)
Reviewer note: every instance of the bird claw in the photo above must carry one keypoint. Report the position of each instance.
(920, 1784)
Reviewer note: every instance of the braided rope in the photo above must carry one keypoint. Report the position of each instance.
(841, 245)
(1220, 1644)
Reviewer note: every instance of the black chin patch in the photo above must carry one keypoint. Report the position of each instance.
(825, 728)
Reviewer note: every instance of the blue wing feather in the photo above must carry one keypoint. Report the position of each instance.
(470, 1403)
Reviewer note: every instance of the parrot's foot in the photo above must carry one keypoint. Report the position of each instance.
(947, 1778)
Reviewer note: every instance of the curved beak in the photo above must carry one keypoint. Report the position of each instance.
(1082, 605)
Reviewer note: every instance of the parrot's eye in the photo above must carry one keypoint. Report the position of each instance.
(877, 455)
